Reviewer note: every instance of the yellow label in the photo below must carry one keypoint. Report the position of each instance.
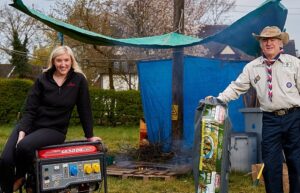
(202, 144)
(174, 112)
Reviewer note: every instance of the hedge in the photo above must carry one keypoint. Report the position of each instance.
(13, 93)
(110, 108)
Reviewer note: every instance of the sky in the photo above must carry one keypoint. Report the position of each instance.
(242, 8)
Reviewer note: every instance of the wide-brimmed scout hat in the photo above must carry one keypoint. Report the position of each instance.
(273, 32)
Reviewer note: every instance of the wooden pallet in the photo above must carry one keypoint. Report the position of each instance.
(137, 171)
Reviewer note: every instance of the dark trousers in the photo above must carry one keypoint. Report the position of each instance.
(281, 134)
(16, 160)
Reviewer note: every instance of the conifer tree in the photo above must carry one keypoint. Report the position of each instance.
(19, 57)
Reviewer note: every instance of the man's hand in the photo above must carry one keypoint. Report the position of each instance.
(213, 100)
(209, 97)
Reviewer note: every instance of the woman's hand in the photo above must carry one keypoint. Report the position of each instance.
(21, 136)
(92, 139)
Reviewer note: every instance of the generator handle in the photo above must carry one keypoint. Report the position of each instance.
(100, 144)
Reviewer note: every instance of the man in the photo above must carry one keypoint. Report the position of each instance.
(276, 78)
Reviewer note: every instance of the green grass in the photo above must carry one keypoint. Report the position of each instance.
(114, 138)
(119, 139)
(242, 183)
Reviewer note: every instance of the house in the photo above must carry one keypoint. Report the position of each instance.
(123, 72)
(7, 71)
(226, 52)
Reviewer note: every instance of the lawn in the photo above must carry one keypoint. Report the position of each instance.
(119, 139)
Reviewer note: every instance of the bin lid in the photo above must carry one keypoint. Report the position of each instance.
(250, 110)
(244, 134)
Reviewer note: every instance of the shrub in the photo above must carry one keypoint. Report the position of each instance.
(115, 107)
(128, 107)
(13, 93)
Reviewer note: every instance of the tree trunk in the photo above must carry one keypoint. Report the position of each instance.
(177, 77)
(111, 76)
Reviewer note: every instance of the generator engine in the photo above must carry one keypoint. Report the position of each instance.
(76, 166)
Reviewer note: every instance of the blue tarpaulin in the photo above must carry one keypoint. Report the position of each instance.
(202, 77)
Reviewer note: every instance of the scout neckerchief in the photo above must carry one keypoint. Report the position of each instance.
(269, 64)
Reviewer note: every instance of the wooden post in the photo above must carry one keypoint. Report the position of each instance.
(177, 75)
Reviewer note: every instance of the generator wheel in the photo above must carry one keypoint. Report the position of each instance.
(30, 185)
(84, 188)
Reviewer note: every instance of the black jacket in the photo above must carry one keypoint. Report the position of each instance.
(51, 106)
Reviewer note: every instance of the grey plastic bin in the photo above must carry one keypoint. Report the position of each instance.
(243, 151)
(253, 123)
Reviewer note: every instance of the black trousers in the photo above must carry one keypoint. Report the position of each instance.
(16, 160)
(281, 134)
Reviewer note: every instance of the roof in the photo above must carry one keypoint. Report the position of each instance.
(5, 69)
(216, 48)
(290, 48)
(208, 30)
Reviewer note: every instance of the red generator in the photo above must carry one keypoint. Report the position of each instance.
(75, 166)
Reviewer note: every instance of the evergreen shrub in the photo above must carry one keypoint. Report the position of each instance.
(13, 93)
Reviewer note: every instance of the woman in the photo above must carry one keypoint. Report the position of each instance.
(46, 117)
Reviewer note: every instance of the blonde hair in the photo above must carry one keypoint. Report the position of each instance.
(63, 50)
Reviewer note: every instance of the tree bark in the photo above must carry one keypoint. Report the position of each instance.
(177, 76)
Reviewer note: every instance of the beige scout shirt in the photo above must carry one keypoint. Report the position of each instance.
(285, 83)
